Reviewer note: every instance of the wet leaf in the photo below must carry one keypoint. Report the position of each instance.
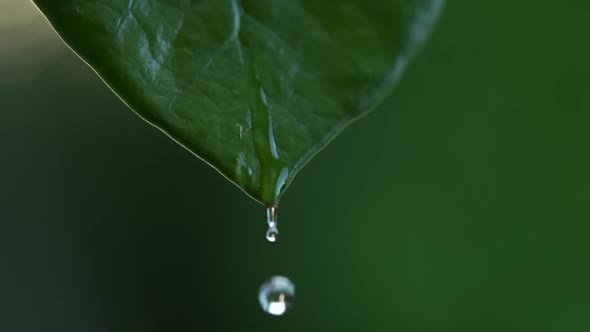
(254, 87)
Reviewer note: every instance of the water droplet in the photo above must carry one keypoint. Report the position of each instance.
(272, 234)
(276, 295)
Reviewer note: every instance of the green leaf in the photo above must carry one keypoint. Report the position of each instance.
(254, 87)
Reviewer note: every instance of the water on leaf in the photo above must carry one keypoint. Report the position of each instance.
(277, 295)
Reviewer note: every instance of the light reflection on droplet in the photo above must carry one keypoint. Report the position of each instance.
(276, 295)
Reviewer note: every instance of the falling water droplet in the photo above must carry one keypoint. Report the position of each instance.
(276, 295)
(272, 234)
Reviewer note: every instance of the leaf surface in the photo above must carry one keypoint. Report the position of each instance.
(254, 87)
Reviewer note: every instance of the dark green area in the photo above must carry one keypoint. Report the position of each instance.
(254, 87)
(460, 205)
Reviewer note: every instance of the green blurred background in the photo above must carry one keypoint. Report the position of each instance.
(461, 204)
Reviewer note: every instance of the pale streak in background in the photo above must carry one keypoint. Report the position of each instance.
(27, 42)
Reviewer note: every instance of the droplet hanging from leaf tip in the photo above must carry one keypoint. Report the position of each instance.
(272, 233)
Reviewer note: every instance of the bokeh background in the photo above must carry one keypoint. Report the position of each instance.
(461, 204)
